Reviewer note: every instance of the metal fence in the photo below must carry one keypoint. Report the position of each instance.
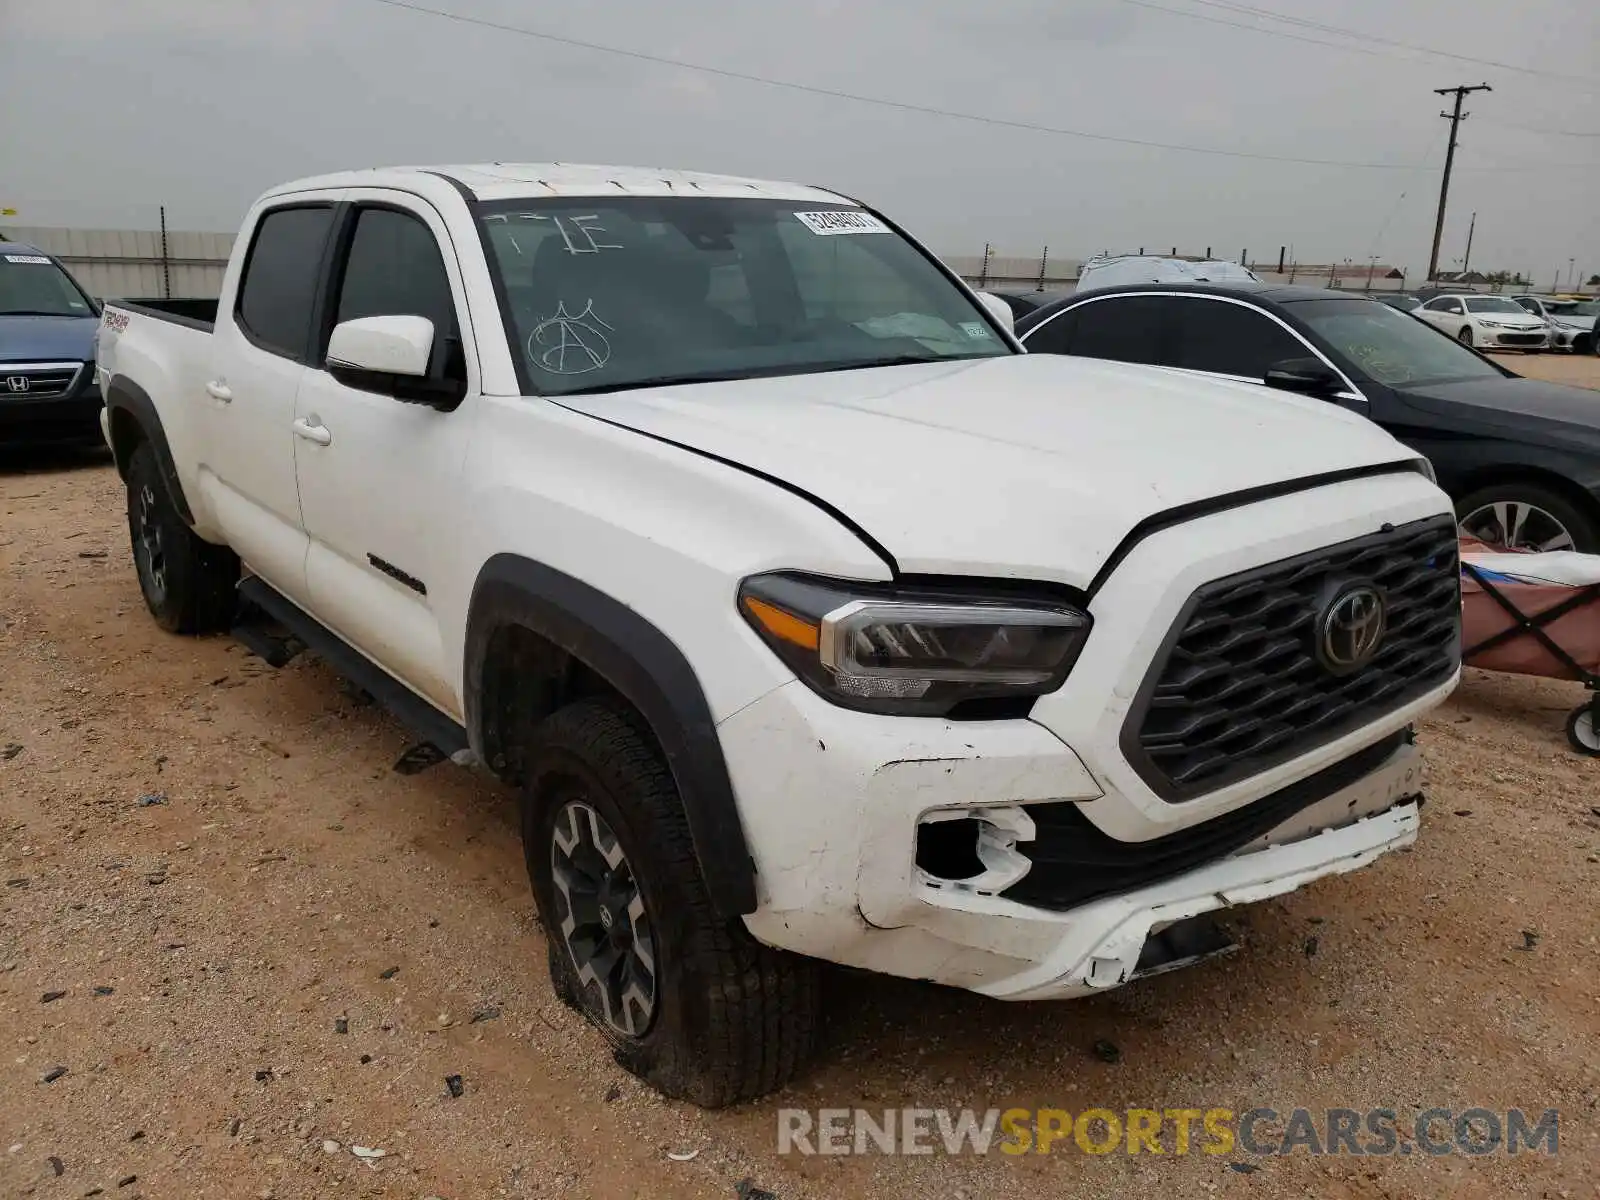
(135, 262)
(126, 262)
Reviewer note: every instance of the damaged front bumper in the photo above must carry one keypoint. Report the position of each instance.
(836, 805)
(1108, 939)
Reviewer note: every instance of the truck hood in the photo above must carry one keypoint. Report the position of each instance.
(47, 339)
(1032, 466)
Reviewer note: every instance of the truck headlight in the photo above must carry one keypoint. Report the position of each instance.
(913, 650)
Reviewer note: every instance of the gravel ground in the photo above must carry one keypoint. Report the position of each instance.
(289, 954)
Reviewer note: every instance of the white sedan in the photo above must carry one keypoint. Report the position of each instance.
(1486, 322)
(1571, 322)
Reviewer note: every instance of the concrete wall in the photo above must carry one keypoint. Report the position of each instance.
(128, 262)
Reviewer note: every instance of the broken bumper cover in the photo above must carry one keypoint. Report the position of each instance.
(833, 801)
(1107, 938)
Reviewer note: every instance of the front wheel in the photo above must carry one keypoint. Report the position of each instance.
(1465, 336)
(189, 584)
(690, 1003)
(1527, 516)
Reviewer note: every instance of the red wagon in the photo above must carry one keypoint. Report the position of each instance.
(1536, 614)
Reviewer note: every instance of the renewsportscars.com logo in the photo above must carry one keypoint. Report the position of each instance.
(1172, 1131)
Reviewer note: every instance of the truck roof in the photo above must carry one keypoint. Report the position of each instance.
(515, 181)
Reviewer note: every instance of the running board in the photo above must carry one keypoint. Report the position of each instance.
(411, 710)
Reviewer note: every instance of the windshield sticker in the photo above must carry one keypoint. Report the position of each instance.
(570, 345)
(974, 330)
(28, 258)
(829, 223)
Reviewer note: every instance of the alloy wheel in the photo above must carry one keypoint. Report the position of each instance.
(604, 924)
(1508, 525)
(151, 548)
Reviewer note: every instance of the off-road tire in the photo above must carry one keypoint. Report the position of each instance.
(733, 1019)
(189, 584)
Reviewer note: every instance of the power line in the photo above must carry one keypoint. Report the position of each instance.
(906, 106)
(1546, 132)
(1249, 10)
(1277, 33)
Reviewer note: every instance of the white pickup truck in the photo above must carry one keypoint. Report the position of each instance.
(814, 619)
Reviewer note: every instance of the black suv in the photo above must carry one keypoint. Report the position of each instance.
(1521, 458)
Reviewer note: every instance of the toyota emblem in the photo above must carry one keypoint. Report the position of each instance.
(1351, 629)
(16, 383)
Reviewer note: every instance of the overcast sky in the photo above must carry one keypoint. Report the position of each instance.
(113, 107)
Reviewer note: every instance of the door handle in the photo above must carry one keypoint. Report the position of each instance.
(312, 433)
(218, 390)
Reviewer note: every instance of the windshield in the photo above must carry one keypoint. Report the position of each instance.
(1493, 304)
(32, 285)
(1390, 346)
(607, 293)
(1581, 308)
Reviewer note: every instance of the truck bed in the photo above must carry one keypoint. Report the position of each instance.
(197, 314)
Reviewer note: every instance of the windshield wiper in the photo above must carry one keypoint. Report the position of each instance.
(773, 371)
(629, 385)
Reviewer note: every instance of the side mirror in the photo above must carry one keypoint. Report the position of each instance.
(391, 355)
(1000, 310)
(382, 345)
(1307, 376)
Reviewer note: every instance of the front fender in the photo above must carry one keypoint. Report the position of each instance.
(650, 671)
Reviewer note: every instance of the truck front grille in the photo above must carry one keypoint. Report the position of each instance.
(1239, 686)
(37, 381)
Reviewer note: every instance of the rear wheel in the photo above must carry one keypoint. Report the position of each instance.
(690, 1003)
(1527, 516)
(188, 583)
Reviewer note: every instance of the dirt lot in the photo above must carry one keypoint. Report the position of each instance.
(290, 952)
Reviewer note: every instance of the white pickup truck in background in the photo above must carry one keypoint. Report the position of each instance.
(814, 619)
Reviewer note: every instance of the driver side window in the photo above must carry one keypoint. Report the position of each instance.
(394, 268)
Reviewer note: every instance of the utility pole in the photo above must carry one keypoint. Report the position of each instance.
(1455, 118)
(1466, 260)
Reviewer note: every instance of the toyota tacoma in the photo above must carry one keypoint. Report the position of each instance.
(813, 619)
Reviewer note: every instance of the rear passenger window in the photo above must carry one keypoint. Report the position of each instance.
(395, 270)
(280, 279)
(1230, 339)
(1124, 329)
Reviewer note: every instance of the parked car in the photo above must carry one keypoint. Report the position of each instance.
(1402, 301)
(814, 618)
(1488, 322)
(1570, 322)
(48, 391)
(1520, 457)
(1429, 290)
(1023, 303)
